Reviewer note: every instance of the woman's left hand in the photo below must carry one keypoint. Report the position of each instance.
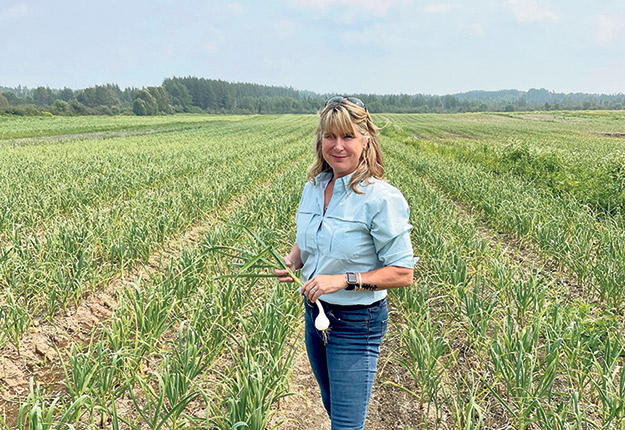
(323, 284)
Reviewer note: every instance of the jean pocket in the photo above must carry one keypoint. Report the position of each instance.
(359, 317)
(383, 326)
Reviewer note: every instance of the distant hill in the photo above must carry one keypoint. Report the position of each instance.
(490, 96)
(535, 96)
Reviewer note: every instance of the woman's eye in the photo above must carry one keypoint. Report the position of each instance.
(348, 136)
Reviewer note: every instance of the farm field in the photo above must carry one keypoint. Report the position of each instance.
(117, 309)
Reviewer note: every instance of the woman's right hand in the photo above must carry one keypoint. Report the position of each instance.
(283, 275)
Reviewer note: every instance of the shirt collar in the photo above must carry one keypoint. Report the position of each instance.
(341, 186)
(324, 177)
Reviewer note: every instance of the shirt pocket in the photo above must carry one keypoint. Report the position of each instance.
(305, 220)
(351, 239)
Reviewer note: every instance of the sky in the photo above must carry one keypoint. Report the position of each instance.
(325, 46)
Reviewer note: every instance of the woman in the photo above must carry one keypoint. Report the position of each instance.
(352, 243)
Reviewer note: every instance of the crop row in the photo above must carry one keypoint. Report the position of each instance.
(559, 226)
(48, 182)
(38, 126)
(576, 158)
(43, 272)
(186, 349)
(490, 341)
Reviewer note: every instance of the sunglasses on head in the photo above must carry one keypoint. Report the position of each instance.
(354, 100)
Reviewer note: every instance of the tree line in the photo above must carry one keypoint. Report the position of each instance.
(201, 95)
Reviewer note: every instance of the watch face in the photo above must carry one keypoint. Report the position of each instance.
(351, 278)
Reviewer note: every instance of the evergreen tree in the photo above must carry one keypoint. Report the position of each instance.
(87, 97)
(4, 103)
(41, 96)
(178, 93)
(66, 94)
(11, 98)
(163, 103)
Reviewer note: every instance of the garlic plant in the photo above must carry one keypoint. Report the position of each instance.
(267, 259)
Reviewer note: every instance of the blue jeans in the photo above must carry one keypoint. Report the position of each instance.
(345, 366)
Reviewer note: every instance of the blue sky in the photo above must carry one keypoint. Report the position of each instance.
(326, 46)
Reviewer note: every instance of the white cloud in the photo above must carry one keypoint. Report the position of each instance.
(20, 9)
(438, 7)
(478, 29)
(403, 36)
(313, 4)
(371, 6)
(215, 40)
(235, 8)
(286, 29)
(210, 47)
(607, 28)
(531, 10)
(375, 36)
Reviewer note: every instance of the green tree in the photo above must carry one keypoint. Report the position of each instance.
(521, 103)
(152, 101)
(78, 108)
(140, 107)
(66, 94)
(61, 106)
(11, 98)
(87, 97)
(106, 96)
(163, 103)
(4, 103)
(178, 93)
(41, 96)
(449, 102)
(145, 104)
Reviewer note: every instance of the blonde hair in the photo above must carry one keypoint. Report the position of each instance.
(340, 116)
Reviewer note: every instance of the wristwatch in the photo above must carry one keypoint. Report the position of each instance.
(352, 281)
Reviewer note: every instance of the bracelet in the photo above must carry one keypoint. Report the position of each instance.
(359, 281)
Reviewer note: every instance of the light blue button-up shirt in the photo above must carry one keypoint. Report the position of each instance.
(358, 233)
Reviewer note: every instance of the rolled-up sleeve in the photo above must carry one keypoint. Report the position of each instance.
(390, 230)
